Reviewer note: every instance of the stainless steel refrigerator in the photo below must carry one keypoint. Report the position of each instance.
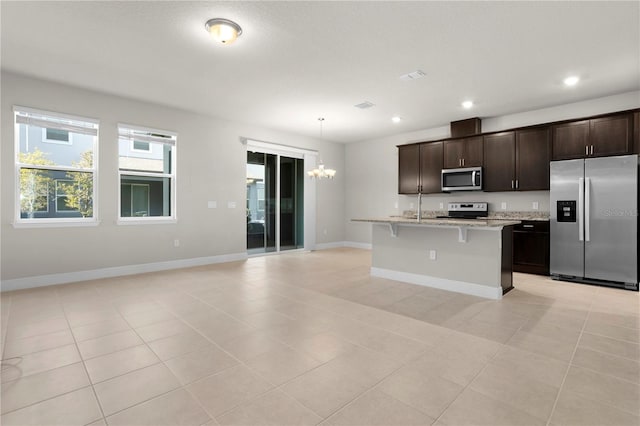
(594, 221)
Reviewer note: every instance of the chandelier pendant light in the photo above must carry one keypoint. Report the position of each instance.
(223, 30)
(321, 171)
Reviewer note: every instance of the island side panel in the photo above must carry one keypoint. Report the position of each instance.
(472, 267)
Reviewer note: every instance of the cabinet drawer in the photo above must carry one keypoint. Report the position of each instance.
(533, 226)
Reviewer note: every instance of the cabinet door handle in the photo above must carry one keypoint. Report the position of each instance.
(586, 150)
(460, 162)
(512, 185)
(527, 226)
(517, 184)
(463, 161)
(591, 149)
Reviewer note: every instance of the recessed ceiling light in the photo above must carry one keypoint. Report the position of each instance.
(223, 30)
(571, 80)
(396, 119)
(467, 104)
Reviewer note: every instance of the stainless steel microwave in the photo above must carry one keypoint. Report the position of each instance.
(465, 179)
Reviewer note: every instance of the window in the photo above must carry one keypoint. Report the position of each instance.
(140, 146)
(64, 187)
(56, 136)
(146, 162)
(55, 179)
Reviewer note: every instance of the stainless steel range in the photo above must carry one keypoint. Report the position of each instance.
(467, 210)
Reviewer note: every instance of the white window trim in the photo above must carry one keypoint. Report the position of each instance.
(123, 133)
(54, 141)
(20, 222)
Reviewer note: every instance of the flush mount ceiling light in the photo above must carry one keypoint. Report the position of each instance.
(223, 30)
(571, 80)
(467, 104)
(396, 119)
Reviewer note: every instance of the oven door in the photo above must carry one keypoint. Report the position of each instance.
(466, 179)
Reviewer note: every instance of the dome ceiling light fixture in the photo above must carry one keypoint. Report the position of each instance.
(223, 30)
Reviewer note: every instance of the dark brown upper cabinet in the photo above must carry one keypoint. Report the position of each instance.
(431, 167)
(517, 160)
(419, 168)
(533, 153)
(465, 152)
(408, 169)
(598, 137)
(499, 162)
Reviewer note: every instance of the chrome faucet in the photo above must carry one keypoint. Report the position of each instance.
(419, 206)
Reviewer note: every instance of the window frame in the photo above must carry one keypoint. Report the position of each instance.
(124, 130)
(91, 124)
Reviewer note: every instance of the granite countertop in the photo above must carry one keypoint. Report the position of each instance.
(510, 215)
(480, 223)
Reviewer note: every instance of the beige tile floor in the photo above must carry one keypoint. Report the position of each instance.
(311, 338)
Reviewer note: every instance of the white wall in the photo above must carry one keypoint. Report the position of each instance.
(210, 166)
(372, 166)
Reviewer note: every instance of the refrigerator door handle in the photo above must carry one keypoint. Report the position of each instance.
(587, 208)
(580, 209)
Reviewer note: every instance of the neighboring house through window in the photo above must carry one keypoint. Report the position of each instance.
(146, 162)
(56, 171)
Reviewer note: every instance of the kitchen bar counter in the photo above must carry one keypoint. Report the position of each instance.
(433, 221)
(471, 256)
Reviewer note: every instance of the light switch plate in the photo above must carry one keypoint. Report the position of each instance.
(535, 205)
(212, 204)
(503, 206)
(231, 205)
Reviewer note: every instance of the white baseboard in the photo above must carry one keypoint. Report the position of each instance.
(339, 244)
(71, 277)
(354, 244)
(494, 293)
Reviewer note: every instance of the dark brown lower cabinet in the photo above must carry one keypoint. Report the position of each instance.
(531, 247)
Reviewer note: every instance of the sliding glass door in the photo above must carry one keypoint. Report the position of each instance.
(275, 200)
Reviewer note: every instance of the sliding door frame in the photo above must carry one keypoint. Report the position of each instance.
(310, 158)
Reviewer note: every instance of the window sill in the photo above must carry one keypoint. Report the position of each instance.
(148, 221)
(43, 223)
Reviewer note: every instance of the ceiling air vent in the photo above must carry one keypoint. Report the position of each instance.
(413, 75)
(364, 105)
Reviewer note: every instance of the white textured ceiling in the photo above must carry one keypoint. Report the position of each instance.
(297, 61)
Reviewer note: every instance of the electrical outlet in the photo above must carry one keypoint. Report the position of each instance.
(395, 205)
(535, 205)
(441, 206)
(411, 205)
(176, 243)
(231, 205)
(503, 206)
(432, 255)
(212, 204)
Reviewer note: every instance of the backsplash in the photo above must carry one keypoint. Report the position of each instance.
(515, 201)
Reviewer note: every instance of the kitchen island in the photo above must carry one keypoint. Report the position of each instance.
(471, 256)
